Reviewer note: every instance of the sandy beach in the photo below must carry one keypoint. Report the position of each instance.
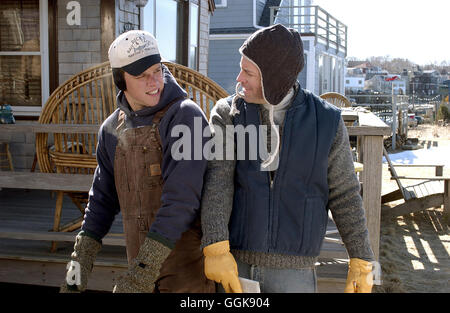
(415, 248)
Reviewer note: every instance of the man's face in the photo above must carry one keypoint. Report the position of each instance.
(144, 90)
(250, 79)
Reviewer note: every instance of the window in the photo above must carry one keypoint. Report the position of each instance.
(149, 17)
(193, 35)
(331, 73)
(156, 15)
(220, 3)
(321, 74)
(302, 77)
(175, 24)
(320, 67)
(23, 55)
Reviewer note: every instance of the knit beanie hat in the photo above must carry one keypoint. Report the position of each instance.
(278, 53)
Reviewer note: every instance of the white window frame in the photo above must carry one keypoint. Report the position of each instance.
(334, 78)
(142, 17)
(311, 65)
(223, 4)
(43, 53)
(198, 37)
(153, 31)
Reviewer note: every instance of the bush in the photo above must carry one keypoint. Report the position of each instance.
(443, 113)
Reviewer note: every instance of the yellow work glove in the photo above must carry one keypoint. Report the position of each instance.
(360, 277)
(221, 267)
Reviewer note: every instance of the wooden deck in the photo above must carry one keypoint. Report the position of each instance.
(29, 213)
(26, 216)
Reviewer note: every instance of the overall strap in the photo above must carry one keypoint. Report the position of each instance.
(156, 119)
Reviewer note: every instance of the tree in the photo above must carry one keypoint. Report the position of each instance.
(397, 65)
(443, 113)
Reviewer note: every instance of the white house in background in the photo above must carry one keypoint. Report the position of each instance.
(354, 80)
(324, 40)
(353, 84)
(399, 86)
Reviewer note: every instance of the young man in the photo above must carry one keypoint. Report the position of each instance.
(272, 212)
(158, 196)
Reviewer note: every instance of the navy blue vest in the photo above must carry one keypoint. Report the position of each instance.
(290, 215)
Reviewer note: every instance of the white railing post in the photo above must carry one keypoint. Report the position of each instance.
(300, 17)
(394, 121)
(271, 15)
(316, 18)
(328, 31)
(338, 41)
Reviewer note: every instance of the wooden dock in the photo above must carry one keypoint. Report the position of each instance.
(26, 218)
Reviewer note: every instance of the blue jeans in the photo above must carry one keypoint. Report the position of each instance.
(274, 280)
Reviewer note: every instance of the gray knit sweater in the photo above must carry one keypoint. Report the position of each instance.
(344, 202)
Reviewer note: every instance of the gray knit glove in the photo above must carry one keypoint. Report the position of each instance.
(144, 270)
(80, 266)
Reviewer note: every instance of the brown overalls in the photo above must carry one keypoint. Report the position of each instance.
(137, 173)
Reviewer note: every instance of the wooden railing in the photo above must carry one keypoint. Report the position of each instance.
(315, 21)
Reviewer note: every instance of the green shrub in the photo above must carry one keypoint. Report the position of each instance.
(443, 113)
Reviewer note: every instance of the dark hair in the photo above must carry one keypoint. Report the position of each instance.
(119, 79)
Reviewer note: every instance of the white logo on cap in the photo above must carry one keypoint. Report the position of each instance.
(131, 47)
(138, 46)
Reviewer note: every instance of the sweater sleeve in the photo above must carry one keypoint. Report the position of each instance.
(218, 191)
(103, 203)
(183, 169)
(345, 202)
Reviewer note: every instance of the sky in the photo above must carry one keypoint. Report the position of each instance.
(408, 29)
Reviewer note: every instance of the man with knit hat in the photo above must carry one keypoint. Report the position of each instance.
(265, 219)
(158, 196)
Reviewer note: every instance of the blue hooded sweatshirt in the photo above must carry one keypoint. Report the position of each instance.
(183, 179)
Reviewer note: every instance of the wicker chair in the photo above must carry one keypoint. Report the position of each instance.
(89, 97)
(5, 157)
(340, 100)
(336, 99)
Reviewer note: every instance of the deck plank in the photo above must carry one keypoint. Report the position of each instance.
(45, 181)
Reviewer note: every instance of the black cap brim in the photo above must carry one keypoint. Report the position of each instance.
(138, 67)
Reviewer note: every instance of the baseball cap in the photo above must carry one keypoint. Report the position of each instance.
(134, 51)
